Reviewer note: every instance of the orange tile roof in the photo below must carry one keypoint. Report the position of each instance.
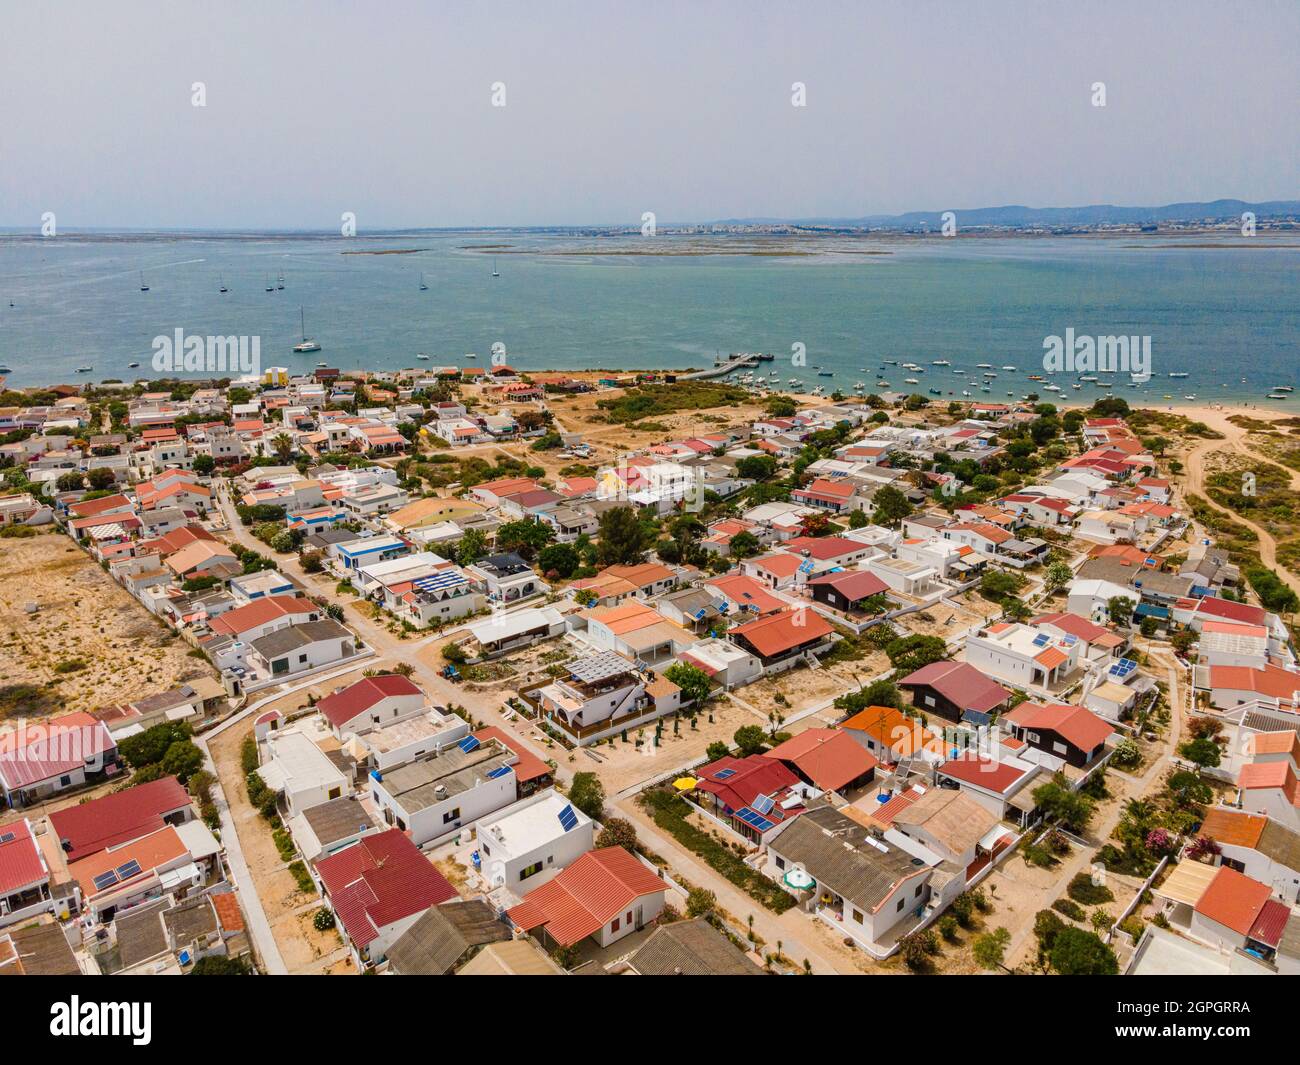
(891, 727)
(1233, 827)
(777, 633)
(1233, 900)
(150, 851)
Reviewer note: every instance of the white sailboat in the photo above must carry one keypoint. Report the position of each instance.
(307, 343)
(423, 286)
(495, 271)
(143, 288)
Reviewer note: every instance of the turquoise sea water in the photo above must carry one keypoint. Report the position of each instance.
(1220, 313)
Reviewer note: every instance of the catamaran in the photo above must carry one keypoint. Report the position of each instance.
(307, 343)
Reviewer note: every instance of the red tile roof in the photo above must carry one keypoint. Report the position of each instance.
(259, 612)
(829, 758)
(40, 751)
(823, 548)
(960, 683)
(529, 766)
(998, 777)
(778, 633)
(1272, 681)
(20, 859)
(228, 914)
(1270, 923)
(855, 585)
(341, 707)
(113, 819)
(379, 880)
(1234, 900)
(737, 782)
(1075, 724)
(747, 591)
(599, 887)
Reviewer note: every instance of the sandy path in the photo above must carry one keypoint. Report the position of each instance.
(1194, 472)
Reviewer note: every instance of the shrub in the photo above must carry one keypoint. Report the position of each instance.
(300, 874)
(1071, 910)
(1082, 889)
(323, 920)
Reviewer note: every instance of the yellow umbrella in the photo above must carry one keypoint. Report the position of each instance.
(684, 783)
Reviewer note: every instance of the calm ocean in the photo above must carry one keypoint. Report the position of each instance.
(1228, 316)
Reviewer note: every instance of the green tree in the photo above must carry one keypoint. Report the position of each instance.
(472, 547)
(1078, 953)
(1203, 751)
(756, 467)
(891, 506)
(204, 465)
(1058, 575)
(623, 539)
(989, 948)
(525, 537)
(693, 681)
(1120, 609)
(910, 653)
(750, 739)
(587, 793)
(743, 545)
(182, 759)
(1059, 802)
(560, 559)
(715, 750)
(100, 479)
(877, 693)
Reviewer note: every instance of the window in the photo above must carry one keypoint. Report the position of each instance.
(780, 862)
(451, 815)
(302, 659)
(1059, 747)
(334, 793)
(901, 904)
(530, 870)
(857, 916)
(614, 926)
(918, 890)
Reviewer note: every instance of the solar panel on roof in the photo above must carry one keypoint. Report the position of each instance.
(130, 869)
(499, 771)
(723, 774)
(568, 819)
(763, 803)
(8, 837)
(468, 744)
(105, 880)
(754, 820)
(1041, 640)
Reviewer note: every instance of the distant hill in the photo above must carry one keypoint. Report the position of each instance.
(1017, 216)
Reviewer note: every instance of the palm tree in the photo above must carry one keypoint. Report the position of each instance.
(283, 445)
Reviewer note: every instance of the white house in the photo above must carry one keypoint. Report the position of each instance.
(533, 841)
(295, 766)
(1022, 655)
(434, 797)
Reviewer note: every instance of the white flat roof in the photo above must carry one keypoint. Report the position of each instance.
(531, 827)
(505, 626)
(299, 762)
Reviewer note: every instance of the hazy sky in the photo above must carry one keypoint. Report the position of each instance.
(614, 108)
